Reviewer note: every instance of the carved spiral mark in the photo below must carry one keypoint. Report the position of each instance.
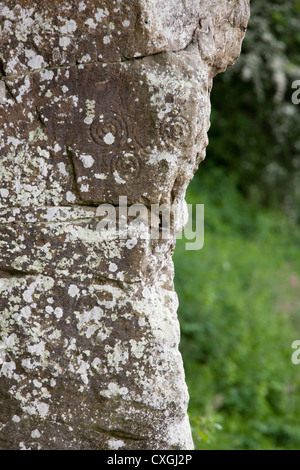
(109, 131)
(177, 132)
(127, 166)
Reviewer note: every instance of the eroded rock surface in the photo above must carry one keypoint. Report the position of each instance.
(104, 98)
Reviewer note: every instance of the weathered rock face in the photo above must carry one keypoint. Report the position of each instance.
(104, 98)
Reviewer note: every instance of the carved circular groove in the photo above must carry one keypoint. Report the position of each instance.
(109, 131)
(127, 166)
(178, 132)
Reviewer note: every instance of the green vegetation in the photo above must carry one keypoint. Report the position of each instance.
(255, 127)
(239, 313)
(240, 295)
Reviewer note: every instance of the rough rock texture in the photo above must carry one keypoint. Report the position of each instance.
(104, 98)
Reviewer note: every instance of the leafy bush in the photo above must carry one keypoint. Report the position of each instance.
(255, 126)
(239, 307)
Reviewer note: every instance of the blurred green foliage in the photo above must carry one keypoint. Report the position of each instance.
(239, 313)
(240, 295)
(255, 126)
